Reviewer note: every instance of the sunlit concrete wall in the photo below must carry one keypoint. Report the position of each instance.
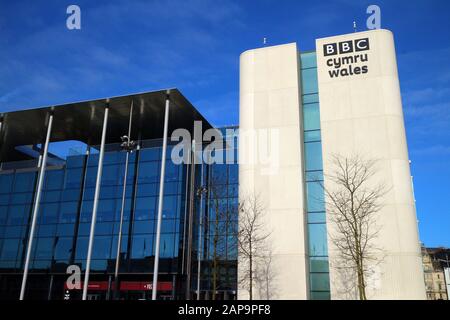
(270, 102)
(362, 114)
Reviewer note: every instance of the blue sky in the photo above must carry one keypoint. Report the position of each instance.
(133, 46)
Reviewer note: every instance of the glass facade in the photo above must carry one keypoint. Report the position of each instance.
(319, 282)
(64, 220)
(219, 216)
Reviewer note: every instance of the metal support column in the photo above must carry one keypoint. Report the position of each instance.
(201, 190)
(96, 196)
(128, 145)
(161, 198)
(37, 201)
(190, 222)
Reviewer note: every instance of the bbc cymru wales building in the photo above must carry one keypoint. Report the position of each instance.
(64, 210)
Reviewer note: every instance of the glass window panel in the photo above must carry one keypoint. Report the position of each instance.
(311, 136)
(126, 212)
(315, 196)
(70, 195)
(131, 171)
(318, 264)
(10, 249)
(41, 264)
(99, 265)
(171, 187)
(4, 199)
(104, 228)
(311, 116)
(73, 178)
(170, 206)
(65, 229)
(150, 154)
(320, 281)
(19, 198)
(168, 225)
(51, 196)
(6, 181)
(148, 172)
(110, 175)
(3, 214)
(18, 214)
(75, 161)
(109, 192)
(84, 229)
(123, 247)
(317, 240)
(14, 231)
(125, 227)
(93, 158)
(316, 217)
(145, 208)
(317, 295)
(233, 173)
(68, 211)
(308, 60)
(91, 176)
(172, 172)
(142, 246)
(310, 98)
(63, 248)
(49, 212)
(145, 190)
(129, 192)
(102, 247)
(46, 230)
(218, 174)
(314, 176)
(309, 81)
(86, 211)
(44, 248)
(113, 157)
(144, 226)
(313, 153)
(82, 246)
(24, 182)
(167, 244)
(54, 179)
(88, 194)
(7, 264)
(106, 210)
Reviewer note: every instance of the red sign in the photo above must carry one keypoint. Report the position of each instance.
(145, 286)
(126, 286)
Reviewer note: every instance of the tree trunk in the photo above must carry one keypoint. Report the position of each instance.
(250, 260)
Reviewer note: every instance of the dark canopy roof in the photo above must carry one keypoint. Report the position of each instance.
(82, 121)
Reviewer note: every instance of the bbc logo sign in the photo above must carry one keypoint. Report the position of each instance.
(343, 47)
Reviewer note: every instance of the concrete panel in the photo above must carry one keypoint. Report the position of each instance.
(362, 114)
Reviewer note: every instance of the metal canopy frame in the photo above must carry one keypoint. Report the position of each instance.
(83, 121)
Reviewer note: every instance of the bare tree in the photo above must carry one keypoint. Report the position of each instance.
(353, 201)
(252, 240)
(220, 221)
(266, 275)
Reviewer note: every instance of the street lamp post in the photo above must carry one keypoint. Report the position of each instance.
(128, 145)
(200, 191)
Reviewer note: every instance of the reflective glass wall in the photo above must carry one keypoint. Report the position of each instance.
(317, 231)
(64, 219)
(217, 211)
